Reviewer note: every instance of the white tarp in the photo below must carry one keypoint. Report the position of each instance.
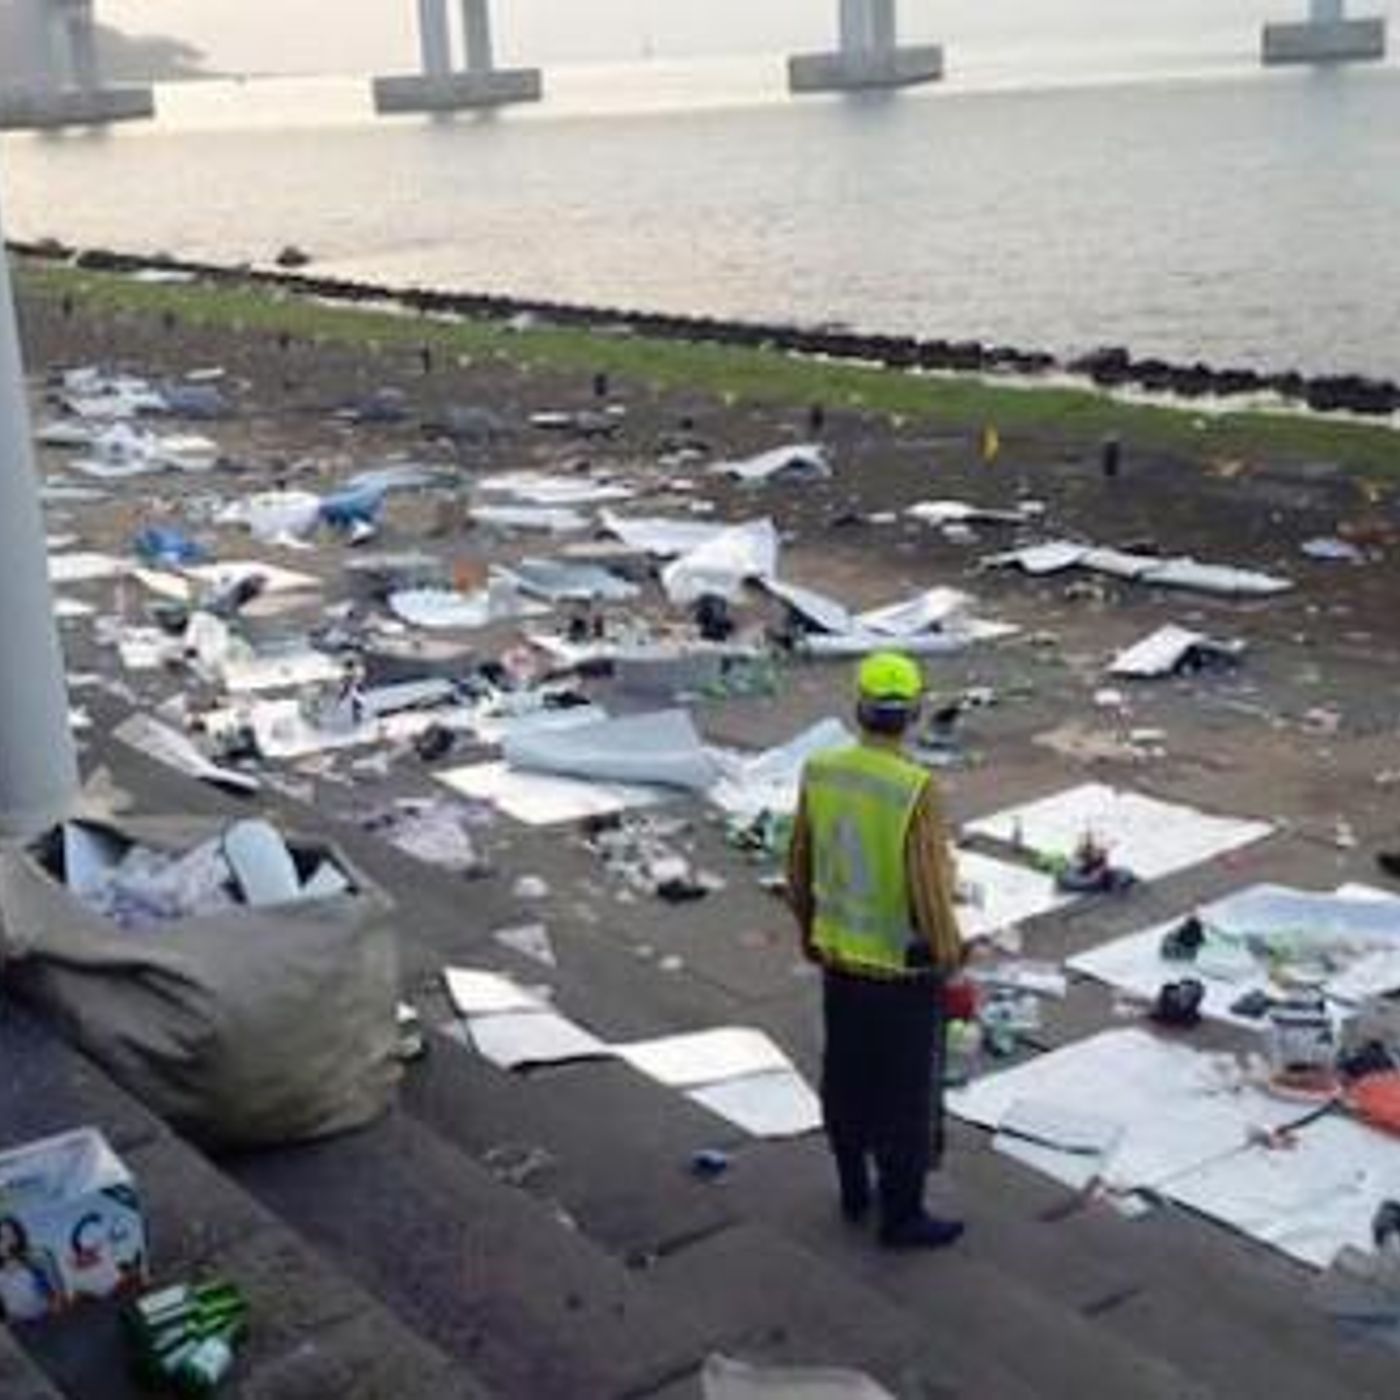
(660, 749)
(822, 612)
(964, 513)
(721, 566)
(1178, 1108)
(659, 535)
(1151, 838)
(1171, 648)
(554, 520)
(442, 609)
(807, 462)
(169, 746)
(558, 580)
(544, 489)
(274, 515)
(769, 781)
(1057, 555)
(1308, 1201)
(544, 799)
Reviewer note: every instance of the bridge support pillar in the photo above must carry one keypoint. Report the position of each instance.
(870, 55)
(1326, 36)
(442, 88)
(63, 84)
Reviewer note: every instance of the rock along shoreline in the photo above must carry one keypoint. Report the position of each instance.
(1108, 367)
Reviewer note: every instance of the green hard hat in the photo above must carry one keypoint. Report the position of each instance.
(890, 676)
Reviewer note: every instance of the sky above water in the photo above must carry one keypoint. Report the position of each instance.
(356, 36)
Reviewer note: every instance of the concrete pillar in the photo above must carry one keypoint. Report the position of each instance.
(476, 31)
(435, 38)
(869, 55)
(441, 87)
(855, 35)
(38, 765)
(65, 86)
(82, 46)
(1326, 36)
(883, 26)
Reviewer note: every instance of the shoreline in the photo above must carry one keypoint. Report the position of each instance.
(1351, 419)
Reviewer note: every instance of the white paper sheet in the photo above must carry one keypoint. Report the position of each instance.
(542, 799)
(513, 1039)
(1151, 838)
(1177, 1108)
(1066, 1144)
(478, 993)
(704, 1057)
(774, 1105)
(1005, 895)
(544, 489)
(1307, 1201)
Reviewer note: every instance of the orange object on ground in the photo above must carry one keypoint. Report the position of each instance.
(1376, 1100)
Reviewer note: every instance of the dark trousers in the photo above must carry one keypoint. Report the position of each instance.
(882, 1086)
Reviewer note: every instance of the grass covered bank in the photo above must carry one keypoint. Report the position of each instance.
(734, 373)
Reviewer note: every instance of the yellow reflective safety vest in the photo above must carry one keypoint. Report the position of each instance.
(860, 802)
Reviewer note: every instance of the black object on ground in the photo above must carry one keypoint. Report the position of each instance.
(1179, 1003)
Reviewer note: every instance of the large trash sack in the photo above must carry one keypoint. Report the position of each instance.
(247, 1027)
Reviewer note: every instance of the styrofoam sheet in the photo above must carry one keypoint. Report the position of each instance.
(543, 799)
(1177, 1107)
(514, 1039)
(770, 781)
(705, 1057)
(478, 993)
(661, 748)
(1307, 1201)
(778, 1104)
(1151, 838)
(1006, 895)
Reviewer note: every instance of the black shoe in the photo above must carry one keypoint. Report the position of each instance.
(922, 1232)
(1389, 861)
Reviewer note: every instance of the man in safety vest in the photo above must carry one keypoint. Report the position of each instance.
(872, 882)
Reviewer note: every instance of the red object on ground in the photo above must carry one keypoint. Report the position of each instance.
(1376, 1100)
(960, 1000)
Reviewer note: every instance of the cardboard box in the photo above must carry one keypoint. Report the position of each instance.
(70, 1226)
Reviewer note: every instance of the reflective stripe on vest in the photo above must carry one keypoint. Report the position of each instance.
(860, 802)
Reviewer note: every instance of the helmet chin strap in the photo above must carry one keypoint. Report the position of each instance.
(888, 717)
